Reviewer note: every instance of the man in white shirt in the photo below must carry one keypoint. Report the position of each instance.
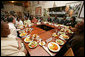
(13, 30)
(27, 21)
(19, 21)
(10, 46)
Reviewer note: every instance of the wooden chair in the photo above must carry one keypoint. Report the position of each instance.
(69, 52)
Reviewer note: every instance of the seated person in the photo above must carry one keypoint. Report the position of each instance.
(49, 19)
(22, 21)
(19, 21)
(72, 22)
(77, 42)
(10, 46)
(31, 17)
(56, 20)
(41, 19)
(37, 17)
(34, 20)
(11, 22)
(64, 21)
(2, 19)
(27, 21)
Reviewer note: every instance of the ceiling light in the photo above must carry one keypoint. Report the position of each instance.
(12, 1)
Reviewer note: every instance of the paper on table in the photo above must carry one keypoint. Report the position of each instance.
(47, 50)
(18, 29)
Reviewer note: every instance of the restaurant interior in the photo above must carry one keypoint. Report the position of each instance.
(42, 28)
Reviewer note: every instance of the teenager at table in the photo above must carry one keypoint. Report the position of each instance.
(10, 46)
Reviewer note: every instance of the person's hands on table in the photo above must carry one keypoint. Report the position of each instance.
(19, 43)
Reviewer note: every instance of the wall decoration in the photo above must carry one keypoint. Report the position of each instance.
(38, 11)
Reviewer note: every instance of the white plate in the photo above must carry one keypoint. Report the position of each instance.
(49, 23)
(51, 45)
(31, 43)
(23, 36)
(28, 36)
(62, 42)
(61, 36)
(38, 23)
(54, 34)
(43, 43)
(27, 41)
(56, 25)
(45, 22)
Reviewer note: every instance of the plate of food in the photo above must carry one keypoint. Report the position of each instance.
(45, 22)
(32, 44)
(64, 37)
(42, 43)
(54, 35)
(63, 30)
(62, 25)
(38, 23)
(60, 42)
(54, 47)
(23, 34)
(49, 23)
(35, 36)
(69, 31)
(61, 33)
(27, 39)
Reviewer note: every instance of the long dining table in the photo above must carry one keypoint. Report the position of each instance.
(44, 35)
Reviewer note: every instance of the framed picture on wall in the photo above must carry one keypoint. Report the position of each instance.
(38, 11)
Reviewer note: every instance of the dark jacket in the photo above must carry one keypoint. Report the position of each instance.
(72, 23)
(77, 42)
(64, 22)
(55, 20)
(49, 20)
